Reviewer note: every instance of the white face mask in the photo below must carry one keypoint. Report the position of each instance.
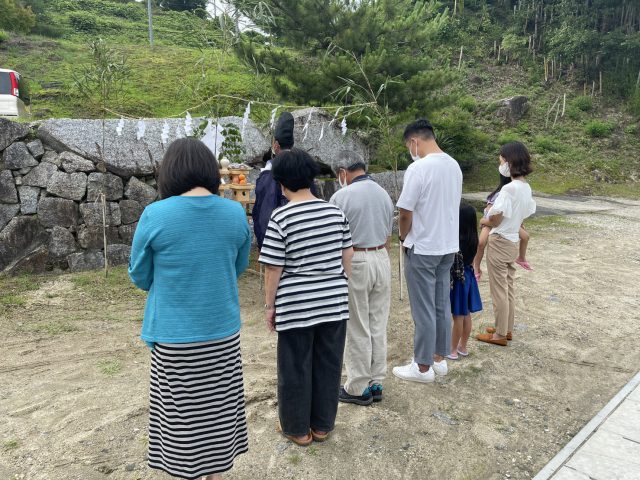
(340, 182)
(504, 170)
(415, 157)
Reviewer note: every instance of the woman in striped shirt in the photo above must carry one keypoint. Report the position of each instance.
(307, 251)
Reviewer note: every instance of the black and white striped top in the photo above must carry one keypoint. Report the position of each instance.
(307, 239)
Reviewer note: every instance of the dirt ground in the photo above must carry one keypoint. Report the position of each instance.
(74, 374)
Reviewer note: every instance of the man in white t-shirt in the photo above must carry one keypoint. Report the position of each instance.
(428, 227)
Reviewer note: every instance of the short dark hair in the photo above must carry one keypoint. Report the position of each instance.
(421, 128)
(294, 169)
(518, 158)
(188, 163)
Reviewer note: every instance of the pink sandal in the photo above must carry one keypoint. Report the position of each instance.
(524, 264)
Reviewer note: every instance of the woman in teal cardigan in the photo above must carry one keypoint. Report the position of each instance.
(188, 251)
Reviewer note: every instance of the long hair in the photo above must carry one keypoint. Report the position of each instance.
(503, 181)
(468, 231)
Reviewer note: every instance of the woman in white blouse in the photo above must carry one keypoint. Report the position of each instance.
(513, 204)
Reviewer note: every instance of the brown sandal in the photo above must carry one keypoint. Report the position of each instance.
(493, 330)
(300, 441)
(319, 437)
(488, 338)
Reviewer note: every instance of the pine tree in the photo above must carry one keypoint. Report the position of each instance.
(314, 49)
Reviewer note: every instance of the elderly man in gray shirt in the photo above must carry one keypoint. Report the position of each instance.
(369, 210)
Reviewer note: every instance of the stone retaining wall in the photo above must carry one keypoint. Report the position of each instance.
(53, 176)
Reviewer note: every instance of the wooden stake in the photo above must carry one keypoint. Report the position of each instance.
(600, 82)
(546, 122)
(460, 59)
(564, 104)
(557, 113)
(593, 88)
(499, 50)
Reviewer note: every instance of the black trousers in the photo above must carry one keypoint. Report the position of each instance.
(309, 372)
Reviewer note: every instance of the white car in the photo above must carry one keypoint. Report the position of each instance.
(13, 94)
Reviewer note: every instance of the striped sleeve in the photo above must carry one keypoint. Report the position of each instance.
(273, 246)
(346, 234)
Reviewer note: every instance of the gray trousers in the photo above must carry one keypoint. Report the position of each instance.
(428, 283)
(369, 300)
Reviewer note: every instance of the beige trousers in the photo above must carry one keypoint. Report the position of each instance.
(369, 301)
(501, 255)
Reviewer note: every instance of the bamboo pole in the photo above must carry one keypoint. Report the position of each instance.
(401, 269)
(460, 59)
(600, 82)
(564, 104)
(593, 88)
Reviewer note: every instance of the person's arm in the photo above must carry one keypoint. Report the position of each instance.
(141, 259)
(404, 223)
(411, 191)
(242, 260)
(493, 221)
(271, 280)
(273, 256)
(347, 255)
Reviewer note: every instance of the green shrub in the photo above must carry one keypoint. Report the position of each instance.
(506, 137)
(544, 144)
(573, 113)
(599, 129)
(468, 104)
(633, 129)
(83, 22)
(4, 36)
(458, 136)
(583, 103)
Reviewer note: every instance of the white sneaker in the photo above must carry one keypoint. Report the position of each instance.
(412, 373)
(440, 368)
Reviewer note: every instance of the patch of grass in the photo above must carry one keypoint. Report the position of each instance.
(509, 136)
(53, 327)
(542, 143)
(116, 285)
(12, 300)
(548, 222)
(583, 103)
(312, 450)
(599, 129)
(12, 290)
(294, 459)
(109, 367)
(10, 444)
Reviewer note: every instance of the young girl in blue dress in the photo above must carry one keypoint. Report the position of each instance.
(465, 296)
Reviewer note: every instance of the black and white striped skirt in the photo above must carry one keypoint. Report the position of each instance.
(197, 423)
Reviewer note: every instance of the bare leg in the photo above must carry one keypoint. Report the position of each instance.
(466, 332)
(524, 242)
(482, 243)
(456, 333)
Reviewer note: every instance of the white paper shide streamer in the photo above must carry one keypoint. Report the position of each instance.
(213, 137)
(142, 127)
(164, 136)
(305, 128)
(179, 132)
(343, 126)
(120, 126)
(188, 125)
(245, 118)
(321, 132)
(273, 117)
